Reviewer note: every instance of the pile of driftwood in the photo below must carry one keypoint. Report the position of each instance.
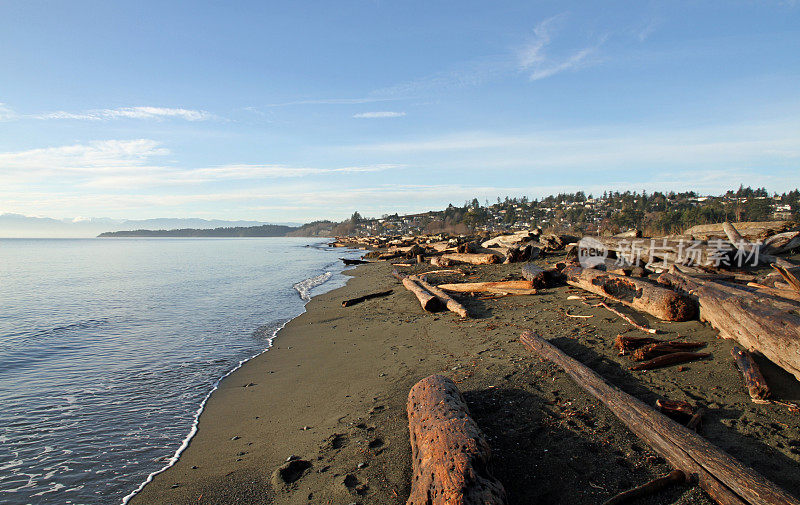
(446, 250)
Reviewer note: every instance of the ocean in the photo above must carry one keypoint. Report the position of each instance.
(109, 348)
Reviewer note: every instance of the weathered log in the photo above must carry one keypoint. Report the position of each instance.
(652, 487)
(747, 250)
(665, 304)
(541, 277)
(438, 261)
(447, 300)
(353, 262)
(661, 253)
(678, 410)
(789, 294)
(449, 453)
(353, 301)
(771, 328)
(626, 318)
(750, 230)
(629, 234)
(626, 344)
(724, 478)
(694, 422)
(657, 349)
(472, 259)
(486, 287)
(781, 242)
(756, 385)
(675, 358)
(789, 276)
(428, 301)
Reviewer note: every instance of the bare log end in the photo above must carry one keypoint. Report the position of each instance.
(450, 454)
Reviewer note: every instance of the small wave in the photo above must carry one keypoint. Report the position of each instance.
(304, 287)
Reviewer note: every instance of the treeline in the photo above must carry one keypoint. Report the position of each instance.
(266, 230)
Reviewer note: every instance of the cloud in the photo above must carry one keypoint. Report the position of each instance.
(533, 56)
(6, 113)
(130, 113)
(380, 114)
(128, 164)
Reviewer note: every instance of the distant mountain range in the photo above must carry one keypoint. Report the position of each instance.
(18, 225)
(265, 230)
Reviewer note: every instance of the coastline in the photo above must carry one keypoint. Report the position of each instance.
(331, 390)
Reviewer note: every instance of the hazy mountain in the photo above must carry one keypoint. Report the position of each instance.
(18, 225)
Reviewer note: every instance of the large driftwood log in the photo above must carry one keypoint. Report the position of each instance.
(771, 328)
(447, 300)
(449, 453)
(665, 304)
(428, 301)
(724, 478)
(750, 230)
(747, 250)
(472, 259)
(541, 277)
(664, 252)
(489, 287)
(782, 242)
(756, 385)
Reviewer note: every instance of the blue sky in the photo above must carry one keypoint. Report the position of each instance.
(293, 111)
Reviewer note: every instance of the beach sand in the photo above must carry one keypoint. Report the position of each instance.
(332, 391)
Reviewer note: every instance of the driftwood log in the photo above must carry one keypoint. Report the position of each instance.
(654, 350)
(750, 230)
(725, 479)
(748, 250)
(756, 385)
(353, 301)
(769, 327)
(675, 358)
(511, 287)
(664, 252)
(353, 262)
(427, 300)
(650, 488)
(665, 304)
(447, 300)
(449, 453)
(472, 259)
(541, 277)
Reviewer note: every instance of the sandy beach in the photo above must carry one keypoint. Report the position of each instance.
(332, 391)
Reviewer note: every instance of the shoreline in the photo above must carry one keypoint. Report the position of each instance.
(332, 392)
(193, 430)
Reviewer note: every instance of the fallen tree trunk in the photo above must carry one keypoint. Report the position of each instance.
(486, 287)
(447, 300)
(767, 328)
(353, 301)
(675, 358)
(756, 385)
(750, 230)
(428, 301)
(750, 250)
(449, 453)
(472, 259)
(353, 262)
(663, 252)
(782, 242)
(657, 349)
(652, 487)
(541, 277)
(724, 478)
(665, 304)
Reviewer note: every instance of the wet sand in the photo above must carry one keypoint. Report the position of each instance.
(332, 392)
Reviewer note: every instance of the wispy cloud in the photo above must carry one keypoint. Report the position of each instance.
(534, 57)
(7, 113)
(130, 113)
(127, 164)
(378, 114)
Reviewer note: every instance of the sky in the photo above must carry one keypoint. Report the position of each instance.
(304, 110)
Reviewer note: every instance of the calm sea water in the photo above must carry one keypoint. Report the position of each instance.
(108, 348)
